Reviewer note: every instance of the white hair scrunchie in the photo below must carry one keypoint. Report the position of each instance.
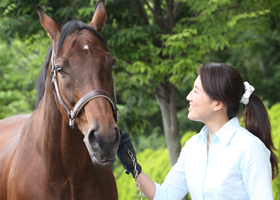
(248, 91)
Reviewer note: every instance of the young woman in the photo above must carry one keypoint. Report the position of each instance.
(225, 160)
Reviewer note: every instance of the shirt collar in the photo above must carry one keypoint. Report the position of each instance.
(225, 133)
(203, 133)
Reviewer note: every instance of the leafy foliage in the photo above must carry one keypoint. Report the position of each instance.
(18, 77)
(257, 61)
(148, 52)
(274, 114)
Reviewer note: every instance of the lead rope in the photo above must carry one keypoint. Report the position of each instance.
(135, 172)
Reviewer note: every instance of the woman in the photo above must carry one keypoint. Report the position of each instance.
(225, 160)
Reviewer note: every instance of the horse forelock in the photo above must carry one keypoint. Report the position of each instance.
(67, 29)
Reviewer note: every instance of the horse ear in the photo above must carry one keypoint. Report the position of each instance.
(99, 17)
(50, 26)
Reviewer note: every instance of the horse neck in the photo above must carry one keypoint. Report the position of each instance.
(61, 147)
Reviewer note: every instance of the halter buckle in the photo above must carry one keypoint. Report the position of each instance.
(71, 123)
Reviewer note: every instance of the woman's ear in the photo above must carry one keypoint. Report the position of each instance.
(218, 105)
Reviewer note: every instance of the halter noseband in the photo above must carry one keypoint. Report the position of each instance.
(72, 114)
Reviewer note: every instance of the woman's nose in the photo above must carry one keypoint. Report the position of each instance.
(189, 96)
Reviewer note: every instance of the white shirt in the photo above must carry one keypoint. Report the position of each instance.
(237, 167)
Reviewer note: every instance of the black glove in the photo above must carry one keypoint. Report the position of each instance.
(125, 157)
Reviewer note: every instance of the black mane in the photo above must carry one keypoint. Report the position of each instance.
(41, 80)
(67, 29)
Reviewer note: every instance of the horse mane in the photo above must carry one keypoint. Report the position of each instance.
(41, 80)
(67, 29)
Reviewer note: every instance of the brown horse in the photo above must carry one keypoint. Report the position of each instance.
(41, 156)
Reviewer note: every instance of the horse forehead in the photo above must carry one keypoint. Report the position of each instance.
(84, 38)
(89, 35)
(84, 46)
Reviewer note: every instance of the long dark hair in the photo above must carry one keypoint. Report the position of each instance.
(224, 83)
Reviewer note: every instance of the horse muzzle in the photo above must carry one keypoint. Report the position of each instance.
(102, 152)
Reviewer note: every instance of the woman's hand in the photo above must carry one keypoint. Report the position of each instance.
(125, 157)
(147, 186)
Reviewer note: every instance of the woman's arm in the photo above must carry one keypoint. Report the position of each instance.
(174, 186)
(147, 186)
(256, 171)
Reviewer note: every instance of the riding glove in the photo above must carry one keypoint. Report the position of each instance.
(126, 160)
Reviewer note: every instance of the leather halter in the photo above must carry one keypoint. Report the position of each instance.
(72, 114)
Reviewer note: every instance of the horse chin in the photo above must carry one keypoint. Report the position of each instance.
(102, 163)
(95, 161)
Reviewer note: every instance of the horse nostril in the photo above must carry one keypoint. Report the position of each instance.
(98, 142)
(93, 141)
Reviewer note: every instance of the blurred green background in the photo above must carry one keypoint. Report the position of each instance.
(158, 46)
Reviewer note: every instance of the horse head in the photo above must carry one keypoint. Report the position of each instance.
(83, 85)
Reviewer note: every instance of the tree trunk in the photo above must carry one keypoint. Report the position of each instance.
(165, 93)
(166, 98)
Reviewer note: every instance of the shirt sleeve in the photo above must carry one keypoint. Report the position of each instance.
(256, 171)
(175, 185)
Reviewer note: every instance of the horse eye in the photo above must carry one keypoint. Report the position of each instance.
(113, 64)
(59, 69)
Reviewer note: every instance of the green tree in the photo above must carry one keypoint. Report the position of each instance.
(158, 44)
(20, 66)
(162, 43)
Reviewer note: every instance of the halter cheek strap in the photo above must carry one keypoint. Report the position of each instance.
(72, 114)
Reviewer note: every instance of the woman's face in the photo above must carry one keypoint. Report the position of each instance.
(201, 105)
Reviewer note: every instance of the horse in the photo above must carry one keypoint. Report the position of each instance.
(64, 149)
